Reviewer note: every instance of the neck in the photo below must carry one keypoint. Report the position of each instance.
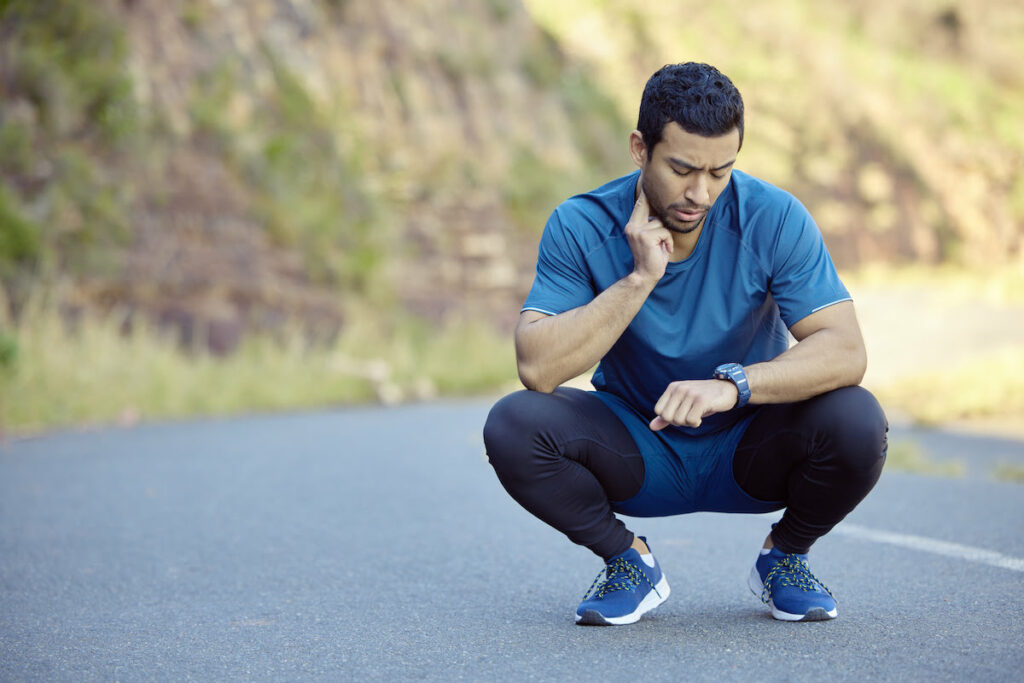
(683, 244)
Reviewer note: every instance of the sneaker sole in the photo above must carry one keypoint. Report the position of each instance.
(815, 614)
(653, 599)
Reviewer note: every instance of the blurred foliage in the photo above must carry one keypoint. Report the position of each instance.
(534, 186)
(8, 351)
(68, 109)
(1000, 285)
(910, 456)
(19, 237)
(1010, 472)
(897, 118)
(309, 195)
(988, 386)
(68, 59)
(354, 148)
(44, 381)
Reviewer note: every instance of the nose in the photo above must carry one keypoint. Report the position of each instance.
(697, 191)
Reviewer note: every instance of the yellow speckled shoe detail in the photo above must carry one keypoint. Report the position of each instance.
(785, 583)
(626, 589)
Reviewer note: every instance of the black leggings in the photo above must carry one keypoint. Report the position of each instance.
(564, 456)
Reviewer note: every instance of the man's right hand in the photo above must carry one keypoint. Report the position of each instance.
(650, 242)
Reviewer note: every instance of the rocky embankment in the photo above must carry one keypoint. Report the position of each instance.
(221, 167)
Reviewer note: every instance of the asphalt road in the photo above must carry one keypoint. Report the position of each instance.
(377, 544)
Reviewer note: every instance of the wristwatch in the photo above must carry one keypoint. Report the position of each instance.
(733, 372)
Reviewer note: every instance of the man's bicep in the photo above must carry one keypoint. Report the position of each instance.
(526, 318)
(530, 316)
(840, 317)
(563, 280)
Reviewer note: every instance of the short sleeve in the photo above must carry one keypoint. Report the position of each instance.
(563, 280)
(804, 278)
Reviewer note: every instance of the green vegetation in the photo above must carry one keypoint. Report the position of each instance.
(909, 456)
(930, 94)
(68, 59)
(492, 114)
(534, 189)
(988, 386)
(308, 194)
(51, 375)
(534, 185)
(19, 239)
(1009, 472)
(68, 109)
(939, 363)
(999, 284)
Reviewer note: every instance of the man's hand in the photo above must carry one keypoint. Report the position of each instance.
(686, 403)
(551, 349)
(650, 242)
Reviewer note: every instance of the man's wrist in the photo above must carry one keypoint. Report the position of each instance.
(731, 391)
(735, 374)
(636, 280)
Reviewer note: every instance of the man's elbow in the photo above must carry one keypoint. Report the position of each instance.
(857, 364)
(534, 380)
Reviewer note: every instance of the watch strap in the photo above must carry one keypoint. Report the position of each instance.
(734, 373)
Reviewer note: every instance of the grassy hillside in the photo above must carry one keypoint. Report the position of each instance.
(367, 180)
(897, 122)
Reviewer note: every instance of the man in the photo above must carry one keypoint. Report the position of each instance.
(681, 279)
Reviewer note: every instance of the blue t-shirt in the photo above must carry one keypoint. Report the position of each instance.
(759, 266)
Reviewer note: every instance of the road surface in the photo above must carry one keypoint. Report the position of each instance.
(377, 544)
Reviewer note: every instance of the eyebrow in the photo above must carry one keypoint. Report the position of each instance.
(680, 162)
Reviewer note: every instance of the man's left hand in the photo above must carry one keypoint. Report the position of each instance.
(686, 403)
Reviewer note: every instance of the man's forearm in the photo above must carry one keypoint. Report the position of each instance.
(557, 348)
(823, 361)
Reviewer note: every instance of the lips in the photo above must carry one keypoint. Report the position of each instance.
(689, 215)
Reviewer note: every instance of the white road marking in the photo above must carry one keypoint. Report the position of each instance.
(931, 545)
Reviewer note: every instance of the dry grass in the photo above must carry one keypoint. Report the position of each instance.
(54, 377)
(51, 377)
(1009, 472)
(944, 343)
(908, 456)
(987, 386)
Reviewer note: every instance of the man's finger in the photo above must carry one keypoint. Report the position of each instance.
(668, 403)
(694, 415)
(659, 423)
(641, 210)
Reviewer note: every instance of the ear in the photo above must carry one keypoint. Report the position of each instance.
(637, 149)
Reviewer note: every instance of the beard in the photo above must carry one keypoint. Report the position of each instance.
(662, 212)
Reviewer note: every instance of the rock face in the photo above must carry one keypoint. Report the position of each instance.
(251, 165)
(285, 156)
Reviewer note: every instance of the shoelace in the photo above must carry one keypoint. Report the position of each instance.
(791, 571)
(617, 576)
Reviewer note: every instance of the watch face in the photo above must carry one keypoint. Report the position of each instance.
(722, 371)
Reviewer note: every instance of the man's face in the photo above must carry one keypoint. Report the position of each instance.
(685, 174)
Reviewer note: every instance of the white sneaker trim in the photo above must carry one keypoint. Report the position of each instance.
(651, 600)
(757, 588)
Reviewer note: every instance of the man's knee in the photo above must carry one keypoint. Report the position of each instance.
(510, 429)
(505, 419)
(857, 427)
(855, 410)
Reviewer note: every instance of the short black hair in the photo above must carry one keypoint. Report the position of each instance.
(699, 97)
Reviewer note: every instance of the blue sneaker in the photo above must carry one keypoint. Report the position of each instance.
(786, 584)
(626, 589)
